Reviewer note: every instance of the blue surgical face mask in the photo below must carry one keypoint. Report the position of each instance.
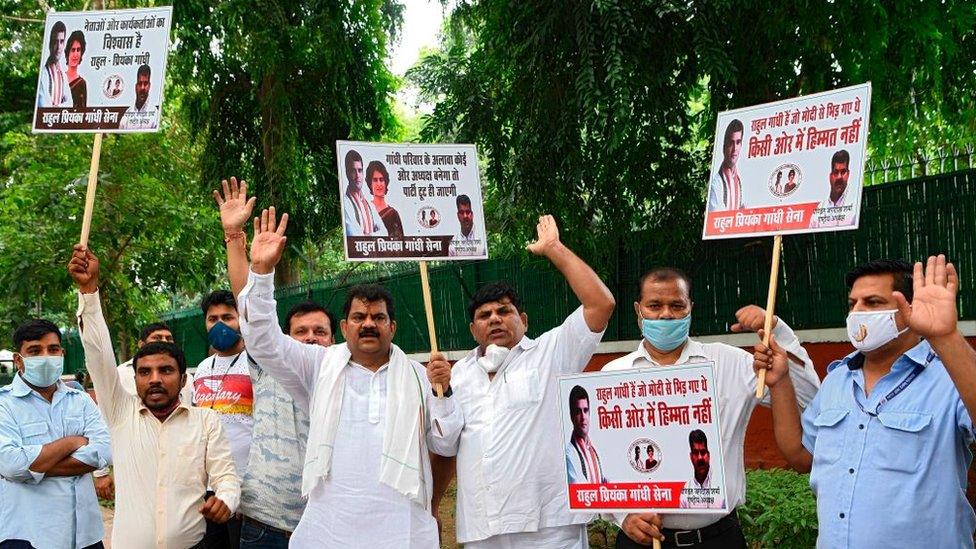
(666, 335)
(222, 337)
(42, 371)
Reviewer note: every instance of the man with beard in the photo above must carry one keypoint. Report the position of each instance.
(367, 472)
(51, 438)
(142, 115)
(725, 187)
(167, 453)
(359, 215)
(466, 242)
(834, 211)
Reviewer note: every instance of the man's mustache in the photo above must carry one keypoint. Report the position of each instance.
(369, 332)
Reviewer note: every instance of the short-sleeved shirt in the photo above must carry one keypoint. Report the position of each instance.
(897, 479)
(223, 384)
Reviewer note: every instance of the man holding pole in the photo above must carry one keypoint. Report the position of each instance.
(663, 312)
(886, 440)
(510, 462)
(166, 452)
(374, 415)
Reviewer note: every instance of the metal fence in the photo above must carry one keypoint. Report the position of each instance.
(908, 219)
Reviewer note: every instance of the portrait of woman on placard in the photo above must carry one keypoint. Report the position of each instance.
(74, 52)
(53, 90)
(378, 180)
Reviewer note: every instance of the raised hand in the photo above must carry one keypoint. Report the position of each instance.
(932, 313)
(548, 236)
(269, 241)
(235, 206)
(83, 268)
(751, 318)
(772, 359)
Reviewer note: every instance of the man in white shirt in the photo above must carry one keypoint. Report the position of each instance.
(466, 242)
(141, 115)
(157, 331)
(166, 453)
(663, 311)
(834, 211)
(373, 415)
(510, 459)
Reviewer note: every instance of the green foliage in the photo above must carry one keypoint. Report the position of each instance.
(271, 85)
(779, 510)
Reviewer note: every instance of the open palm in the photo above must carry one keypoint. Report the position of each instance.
(235, 206)
(933, 310)
(269, 241)
(548, 234)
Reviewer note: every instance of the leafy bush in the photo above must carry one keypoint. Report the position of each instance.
(779, 512)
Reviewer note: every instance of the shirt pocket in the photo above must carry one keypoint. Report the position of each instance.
(522, 388)
(74, 426)
(902, 440)
(35, 432)
(191, 462)
(830, 436)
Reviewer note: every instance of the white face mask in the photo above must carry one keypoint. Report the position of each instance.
(495, 355)
(869, 330)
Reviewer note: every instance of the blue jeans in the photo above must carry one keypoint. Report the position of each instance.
(257, 536)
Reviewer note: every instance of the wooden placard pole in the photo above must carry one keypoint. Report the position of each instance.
(90, 193)
(770, 307)
(429, 309)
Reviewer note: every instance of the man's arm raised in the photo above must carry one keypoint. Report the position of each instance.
(933, 315)
(597, 301)
(235, 211)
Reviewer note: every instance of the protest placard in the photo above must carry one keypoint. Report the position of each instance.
(643, 439)
(410, 202)
(102, 71)
(793, 166)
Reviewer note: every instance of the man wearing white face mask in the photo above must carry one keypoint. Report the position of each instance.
(510, 460)
(51, 438)
(887, 437)
(663, 310)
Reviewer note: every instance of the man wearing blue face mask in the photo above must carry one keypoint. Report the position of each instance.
(887, 438)
(663, 310)
(223, 384)
(51, 438)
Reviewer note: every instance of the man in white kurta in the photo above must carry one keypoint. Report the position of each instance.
(511, 474)
(664, 303)
(367, 485)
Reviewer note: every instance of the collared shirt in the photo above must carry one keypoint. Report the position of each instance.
(898, 479)
(49, 512)
(359, 214)
(350, 507)
(466, 244)
(735, 386)
(510, 464)
(272, 487)
(162, 468)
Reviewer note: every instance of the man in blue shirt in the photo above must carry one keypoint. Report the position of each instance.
(51, 439)
(887, 437)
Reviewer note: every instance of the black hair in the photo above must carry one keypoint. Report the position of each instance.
(144, 70)
(369, 293)
(154, 327)
(495, 291)
(841, 157)
(52, 43)
(306, 307)
(662, 274)
(899, 269)
(76, 36)
(161, 348)
(351, 158)
(697, 437)
(576, 394)
(734, 126)
(33, 330)
(218, 297)
(377, 166)
(463, 200)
